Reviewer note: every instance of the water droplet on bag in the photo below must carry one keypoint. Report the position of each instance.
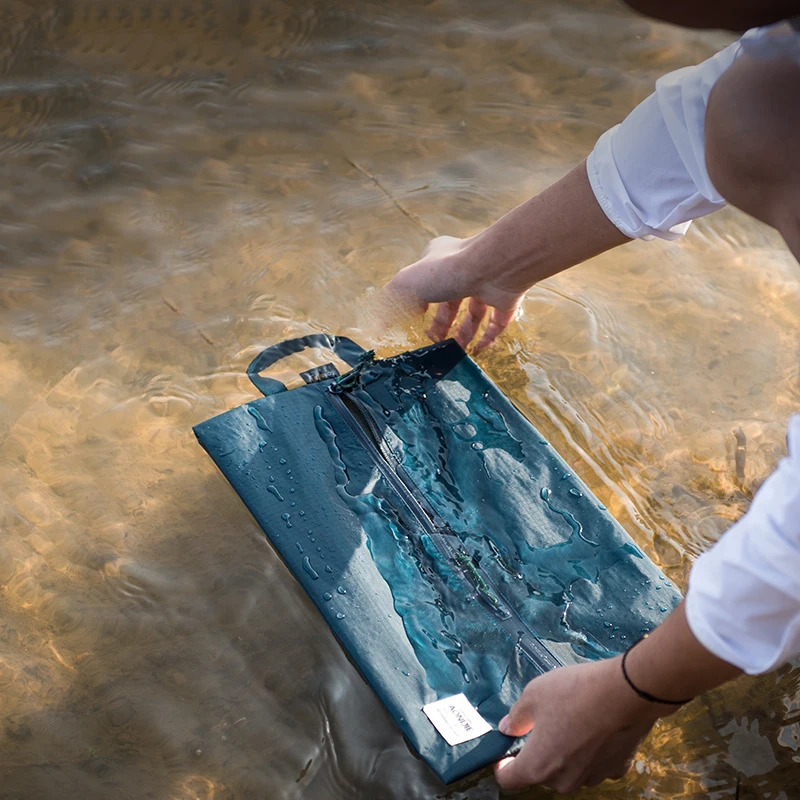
(327, 596)
(477, 446)
(464, 430)
(309, 569)
(575, 493)
(274, 490)
(282, 461)
(340, 615)
(285, 518)
(341, 590)
(272, 479)
(299, 547)
(328, 568)
(260, 421)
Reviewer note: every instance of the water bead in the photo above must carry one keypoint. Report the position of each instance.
(309, 569)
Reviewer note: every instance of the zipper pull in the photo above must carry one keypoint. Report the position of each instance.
(350, 380)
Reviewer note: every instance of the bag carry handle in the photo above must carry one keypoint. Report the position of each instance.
(345, 348)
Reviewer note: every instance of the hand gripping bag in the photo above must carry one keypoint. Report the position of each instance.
(470, 557)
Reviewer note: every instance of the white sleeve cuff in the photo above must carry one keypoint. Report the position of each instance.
(743, 602)
(649, 173)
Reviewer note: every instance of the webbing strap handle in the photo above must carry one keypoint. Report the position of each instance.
(345, 348)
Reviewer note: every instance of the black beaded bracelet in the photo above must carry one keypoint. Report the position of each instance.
(646, 695)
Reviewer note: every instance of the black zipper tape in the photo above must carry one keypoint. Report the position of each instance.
(359, 420)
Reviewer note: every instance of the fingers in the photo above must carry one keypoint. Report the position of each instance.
(529, 767)
(443, 321)
(519, 719)
(501, 318)
(469, 327)
(535, 766)
(446, 314)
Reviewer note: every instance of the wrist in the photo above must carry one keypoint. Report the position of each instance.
(629, 708)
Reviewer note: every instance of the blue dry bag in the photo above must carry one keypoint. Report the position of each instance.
(455, 555)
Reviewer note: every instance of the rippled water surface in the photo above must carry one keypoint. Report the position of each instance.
(184, 183)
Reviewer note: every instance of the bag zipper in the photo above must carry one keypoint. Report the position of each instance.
(359, 419)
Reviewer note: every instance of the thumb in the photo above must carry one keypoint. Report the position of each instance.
(519, 719)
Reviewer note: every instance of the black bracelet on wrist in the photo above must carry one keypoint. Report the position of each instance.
(646, 695)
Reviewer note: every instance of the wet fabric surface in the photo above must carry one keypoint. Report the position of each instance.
(421, 605)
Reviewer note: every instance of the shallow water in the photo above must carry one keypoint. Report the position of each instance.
(184, 183)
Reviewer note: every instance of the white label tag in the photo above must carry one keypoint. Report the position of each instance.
(456, 719)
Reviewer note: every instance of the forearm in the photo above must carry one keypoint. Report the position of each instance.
(557, 229)
(671, 664)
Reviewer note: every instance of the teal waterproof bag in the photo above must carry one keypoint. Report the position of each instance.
(452, 552)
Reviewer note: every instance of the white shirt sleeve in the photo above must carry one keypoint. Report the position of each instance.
(649, 172)
(743, 602)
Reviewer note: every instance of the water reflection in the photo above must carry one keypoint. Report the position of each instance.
(185, 182)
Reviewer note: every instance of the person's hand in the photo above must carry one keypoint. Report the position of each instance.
(448, 272)
(585, 724)
(556, 229)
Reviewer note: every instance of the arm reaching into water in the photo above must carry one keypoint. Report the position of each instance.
(557, 229)
(645, 178)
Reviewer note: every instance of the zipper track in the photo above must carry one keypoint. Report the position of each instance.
(359, 419)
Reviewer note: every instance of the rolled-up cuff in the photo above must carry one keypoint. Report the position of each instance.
(649, 173)
(610, 191)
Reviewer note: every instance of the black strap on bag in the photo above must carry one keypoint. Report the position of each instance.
(350, 352)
